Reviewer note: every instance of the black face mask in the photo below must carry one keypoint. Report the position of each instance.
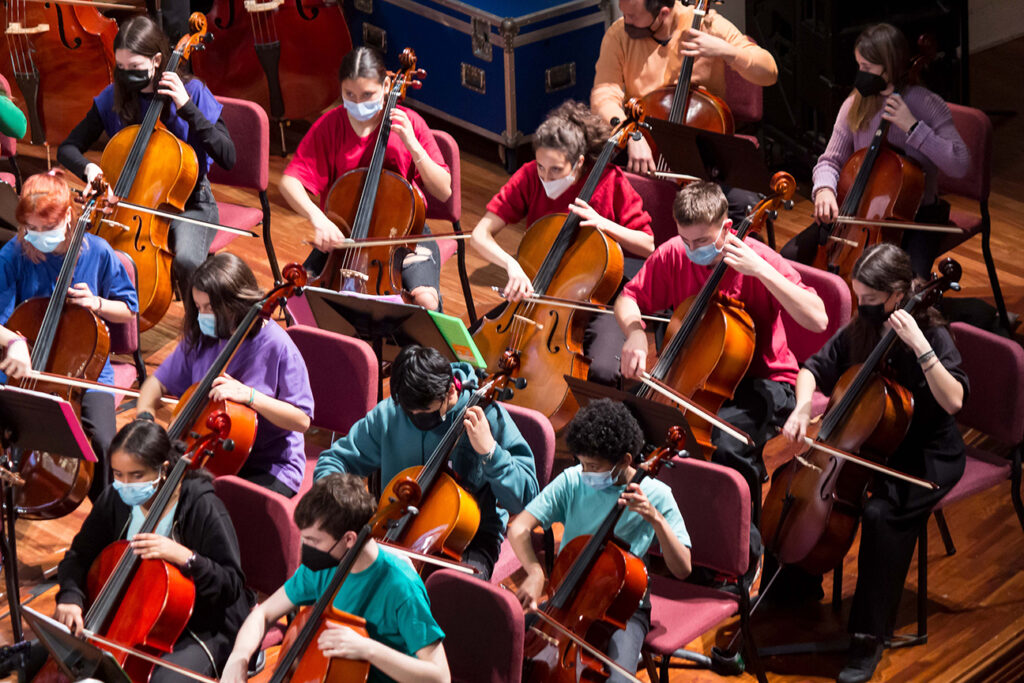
(425, 421)
(641, 32)
(317, 560)
(873, 313)
(868, 84)
(132, 80)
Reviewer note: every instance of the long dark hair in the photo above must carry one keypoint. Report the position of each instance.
(885, 45)
(142, 36)
(574, 130)
(232, 289)
(887, 268)
(148, 443)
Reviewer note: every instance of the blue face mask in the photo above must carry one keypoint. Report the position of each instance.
(363, 111)
(45, 241)
(207, 324)
(599, 480)
(136, 493)
(704, 255)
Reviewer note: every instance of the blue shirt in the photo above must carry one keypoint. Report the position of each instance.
(98, 266)
(582, 509)
(389, 594)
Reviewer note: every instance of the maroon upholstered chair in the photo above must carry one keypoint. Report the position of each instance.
(658, 196)
(745, 99)
(124, 340)
(483, 627)
(451, 211)
(975, 128)
(343, 377)
(680, 611)
(9, 149)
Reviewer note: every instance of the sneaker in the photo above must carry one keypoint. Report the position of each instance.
(865, 653)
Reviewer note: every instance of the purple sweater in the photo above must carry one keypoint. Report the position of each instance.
(935, 142)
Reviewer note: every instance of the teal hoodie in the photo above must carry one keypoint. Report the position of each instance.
(387, 440)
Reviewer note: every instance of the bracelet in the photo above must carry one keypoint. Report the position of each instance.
(16, 339)
(930, 353)
(252, 396)
(418, 159)
(99, 304)
(931, 366)
(912, 127)
(490, 454)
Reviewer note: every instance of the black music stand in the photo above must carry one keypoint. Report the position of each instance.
(386, 325)
(77, 658)
(655, 418)
(29, 420)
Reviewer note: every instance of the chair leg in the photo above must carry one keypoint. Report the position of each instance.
(947, 538)
(986, 251)
(1015, 481)
(650, 665)
(467, 291)
(140, 366)
(749, 646)
(268, 241)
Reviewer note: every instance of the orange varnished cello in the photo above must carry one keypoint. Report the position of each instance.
(147, 165)
(596, 585)
(58, 55)
(709, 343)
(375, 202)
(566, 261)
(813, 507)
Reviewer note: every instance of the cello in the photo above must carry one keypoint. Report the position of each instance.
(59, 55)
(812, 510)
(375, 202)
(567, 261)
(709, 342)
(65, 340)
(597, 585)
(423, 508)
(147, 165)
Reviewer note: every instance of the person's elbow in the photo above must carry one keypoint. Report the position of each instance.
(685, 565)
(444, 193)
(817, 317)
(302, 422)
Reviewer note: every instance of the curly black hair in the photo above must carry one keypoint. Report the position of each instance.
(606, 430)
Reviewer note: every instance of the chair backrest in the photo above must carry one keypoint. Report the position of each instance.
(995, 371)
(450, 210)
(540, 435)
(268, 539)
(715, 504)
(124, 337)
(249, 127)
(745, 99)
(342, 375)
(8, 145)
(835, 294)
(483, 627)
(975, 128)
(658, 196)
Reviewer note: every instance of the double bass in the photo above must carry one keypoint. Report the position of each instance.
(147, 165)
(710, 339)
(812, 510)
(59, 55)
(374, 202)
(563, 260)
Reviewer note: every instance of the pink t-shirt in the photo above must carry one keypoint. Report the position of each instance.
(668, 277)
(331, 148)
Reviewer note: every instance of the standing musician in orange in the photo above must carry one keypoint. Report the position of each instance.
(922, 127)
(565, 145)
(763, 283)
(644, 50)
(405, 643)
(141, 51)
(343, 140)
(29, 267)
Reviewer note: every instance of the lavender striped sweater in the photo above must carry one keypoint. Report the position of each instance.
(934, 143)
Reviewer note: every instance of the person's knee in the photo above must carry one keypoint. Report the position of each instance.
(427, 297)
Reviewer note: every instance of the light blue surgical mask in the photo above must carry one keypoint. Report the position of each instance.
(46, 241)
(705, 255)
(207, 323)
(599, 480)
(136, 493)
(362, 111)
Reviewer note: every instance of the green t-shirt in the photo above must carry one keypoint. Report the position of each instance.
(582, 509)
(389, 594)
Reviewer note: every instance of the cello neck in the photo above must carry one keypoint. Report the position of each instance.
(681, 99)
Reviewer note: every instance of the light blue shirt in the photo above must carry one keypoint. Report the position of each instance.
(163, 527)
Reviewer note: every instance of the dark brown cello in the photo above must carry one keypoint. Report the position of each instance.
(375, 202)
(59, 55)
(812, 510)
(147, 165)
(597, 585)
(566, 261)
(710, 340)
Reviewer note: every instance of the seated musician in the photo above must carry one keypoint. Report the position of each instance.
(606, 440)
(491, 460)
(405, 640)
(928, 364)
(566, 145)
(757, 278)
(644, 50)
(142, 52)
(921, 126)
(29, 267)
(195, 535)
(343, 140)
(267, 372)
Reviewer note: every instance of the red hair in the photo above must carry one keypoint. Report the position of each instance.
(45, 196)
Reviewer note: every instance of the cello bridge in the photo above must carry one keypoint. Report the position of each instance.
(346, 272)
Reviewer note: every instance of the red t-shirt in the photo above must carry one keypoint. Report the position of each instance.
(331, 148)
(668, 277)
(614, 198)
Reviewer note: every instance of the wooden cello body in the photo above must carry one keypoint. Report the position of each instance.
(313, 667)
(58, 57)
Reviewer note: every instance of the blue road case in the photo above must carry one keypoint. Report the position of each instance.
(494, 67)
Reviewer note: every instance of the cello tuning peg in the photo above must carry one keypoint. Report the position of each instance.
(788, 204)
(416, 85)
(955, 286)
(773, 215)
(227, 445)
(520, 382)
(504, 394)
(420, 74)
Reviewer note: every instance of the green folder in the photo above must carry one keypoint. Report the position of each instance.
(458, 338)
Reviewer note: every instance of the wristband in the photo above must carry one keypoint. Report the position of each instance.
(16, 339)
(252, 396)
(144, 415)
(930, 353)
(189, 564)
(912, 127)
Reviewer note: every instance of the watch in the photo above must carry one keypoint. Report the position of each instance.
(189, 564)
